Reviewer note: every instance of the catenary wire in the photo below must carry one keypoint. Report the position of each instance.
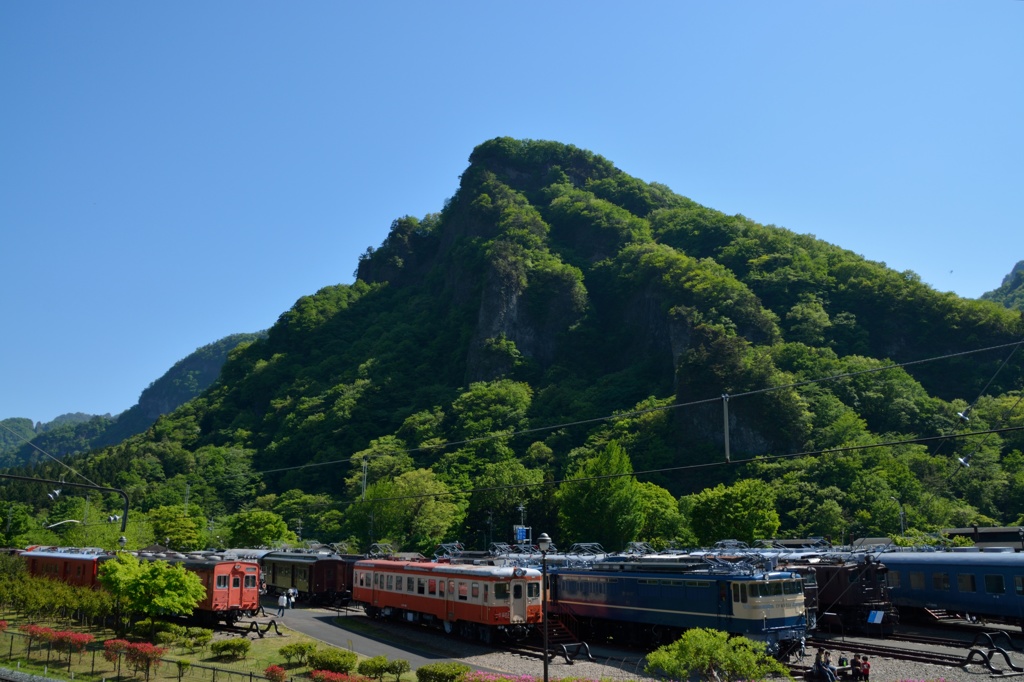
(649, 410)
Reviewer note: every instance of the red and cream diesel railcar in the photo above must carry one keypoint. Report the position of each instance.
(473, 601)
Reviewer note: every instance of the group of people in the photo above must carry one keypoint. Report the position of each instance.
(286, 600)
(858, 669)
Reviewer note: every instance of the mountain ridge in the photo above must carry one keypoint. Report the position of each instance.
(557, 309)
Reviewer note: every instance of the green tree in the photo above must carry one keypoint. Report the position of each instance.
(413, 512)
(744, 511)
(257, 528)
(714, 655)
(151, 588)
(662, 520)
(600, 501)
(177, 528)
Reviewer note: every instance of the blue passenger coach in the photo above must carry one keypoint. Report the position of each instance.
(987, 585)
(655, 599)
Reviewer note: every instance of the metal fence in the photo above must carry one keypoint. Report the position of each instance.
(20, 653)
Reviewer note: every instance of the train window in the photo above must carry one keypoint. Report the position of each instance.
(431, 586)
(532, 590)
(391, 582)
(1018, 584)
(917, 580)
(250, 581)
(792, 587)
(463, 591)
(743, 592)
(965, 582)
(776, 588)
(409, 584)
(940, 581)
(735, 592)
(451, 587)
(236, 581)
(893, 579)
(517, 591)
(500, 591)
(421, 586)
(476, 590)
(994, 584)
(222, 582)
(440, 588)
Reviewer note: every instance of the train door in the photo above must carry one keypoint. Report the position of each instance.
(517, 603)
(447, 596)
(237, 577)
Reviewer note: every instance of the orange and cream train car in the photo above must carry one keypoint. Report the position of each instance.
(477, 602)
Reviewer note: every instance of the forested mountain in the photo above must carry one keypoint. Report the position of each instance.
(1011, 291)
(560, 324)
(21, 441)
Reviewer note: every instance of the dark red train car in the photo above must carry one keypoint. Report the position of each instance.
(475, 601)
(232, 585)
(71, 565)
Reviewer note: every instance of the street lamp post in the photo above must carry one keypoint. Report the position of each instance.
(544, 543)
(903, 517)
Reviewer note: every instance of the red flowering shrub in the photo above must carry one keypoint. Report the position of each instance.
(112, 648)
(3, 625)
(143, 655)
(275, 673)
(38, 632)
(328, 676)
(71, 641)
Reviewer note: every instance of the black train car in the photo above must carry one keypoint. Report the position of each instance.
(850, 589)
(319, 576)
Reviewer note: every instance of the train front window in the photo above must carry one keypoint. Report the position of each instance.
(500, 591)
(517, 591)
(965, 582)
(250, 581)
(792, 587)
(994, 584)
(533, 590)
(236, 581)
(222, 582)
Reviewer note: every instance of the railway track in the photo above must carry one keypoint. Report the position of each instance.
(899, 652)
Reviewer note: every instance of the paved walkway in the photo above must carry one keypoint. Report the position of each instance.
(328, 625)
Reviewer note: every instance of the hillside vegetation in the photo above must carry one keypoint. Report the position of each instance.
(560, 324)
(21, 442)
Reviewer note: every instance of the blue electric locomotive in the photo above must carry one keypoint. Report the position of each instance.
(653, 599)
(970, 584)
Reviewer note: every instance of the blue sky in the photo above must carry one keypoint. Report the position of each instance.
(171, 173)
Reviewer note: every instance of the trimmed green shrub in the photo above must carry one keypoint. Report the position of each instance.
(300, 651)
(231, 648)
(441, 672)
(332, 660)
(398, 667)
(376, 667)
